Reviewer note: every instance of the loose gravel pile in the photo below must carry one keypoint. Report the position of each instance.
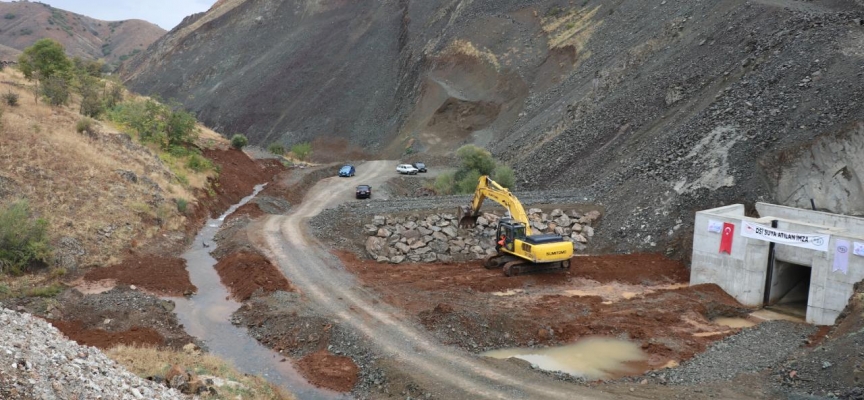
(751, 350)
(37, 362)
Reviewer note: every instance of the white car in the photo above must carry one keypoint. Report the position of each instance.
(406, 169)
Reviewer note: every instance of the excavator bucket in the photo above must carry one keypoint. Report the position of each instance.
(467, 219)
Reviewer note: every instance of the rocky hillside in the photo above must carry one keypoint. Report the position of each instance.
(655, 109)
(23, 23)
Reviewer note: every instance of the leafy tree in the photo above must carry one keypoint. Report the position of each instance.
(239, 141)
(505, 176)
(23, 239)
(180, 127)
(474, 158)
(302, 150)
(44, 59)
(468, 182)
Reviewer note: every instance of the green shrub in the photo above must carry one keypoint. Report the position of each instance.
(45, 291)
(23, 239)
(276, 149)
(198, 163)
(239, 141)
(468, 182)
(86, 126)
(11, 98)
(9, 16)
(182, 205)
(302, 150)
(504, 176)
(444, 184)
(56, 90)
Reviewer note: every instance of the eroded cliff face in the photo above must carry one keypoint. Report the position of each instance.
(654, 109)
(830, 171)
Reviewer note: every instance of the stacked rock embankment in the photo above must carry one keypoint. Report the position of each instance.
(437, 237)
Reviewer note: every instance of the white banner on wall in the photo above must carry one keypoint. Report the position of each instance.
(715, 226)
(858, 249)
(813, 241)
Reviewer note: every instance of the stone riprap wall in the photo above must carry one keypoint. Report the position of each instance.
(437, 237)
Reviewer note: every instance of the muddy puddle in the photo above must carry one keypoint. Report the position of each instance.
(207, 314)
(734, 322)
(590, 358)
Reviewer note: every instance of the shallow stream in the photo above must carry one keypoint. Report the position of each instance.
(207, 314)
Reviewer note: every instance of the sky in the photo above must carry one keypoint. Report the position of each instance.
(165, 13)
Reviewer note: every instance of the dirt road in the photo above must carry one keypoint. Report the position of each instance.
(445, 371)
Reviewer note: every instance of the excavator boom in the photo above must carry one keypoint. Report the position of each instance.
(487, 188)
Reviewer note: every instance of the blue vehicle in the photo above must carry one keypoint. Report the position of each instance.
(347, 170)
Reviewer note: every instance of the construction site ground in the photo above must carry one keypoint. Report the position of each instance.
(642, 298)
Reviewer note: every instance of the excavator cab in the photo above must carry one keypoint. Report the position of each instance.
(511, 230)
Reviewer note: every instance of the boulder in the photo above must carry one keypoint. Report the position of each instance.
(412, 234)
(432, 219)
(540, 226)
(382, 259)
(445, 258)
(439, 246)
(410, 225)
(577, 227)
(440, 236)
(535, 211)
(588, 231)
(574, 214)
(563, 220)
(556, 213)
(397, 259)
(370, 229)
(578, 237)
(430, 257)
(481, 221)
(422, 250)
(402, 247)
(424, 231)
(417, 244)
(379, 220)
(450, 231)
(427, 239)
(383, 233)
(377, 246)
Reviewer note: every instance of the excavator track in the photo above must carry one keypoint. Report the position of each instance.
(521, 267)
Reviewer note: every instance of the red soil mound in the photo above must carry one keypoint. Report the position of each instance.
(330, 371)
(106, 340)
(244, 273)
(163, 275)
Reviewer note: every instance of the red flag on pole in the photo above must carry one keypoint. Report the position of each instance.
(726, 240)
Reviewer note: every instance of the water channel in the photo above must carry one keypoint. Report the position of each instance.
(206, 315)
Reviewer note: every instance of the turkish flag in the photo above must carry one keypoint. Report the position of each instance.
(726, 240)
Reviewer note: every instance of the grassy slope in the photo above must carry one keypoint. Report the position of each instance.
(72, 180)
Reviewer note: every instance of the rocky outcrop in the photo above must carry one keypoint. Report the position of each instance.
(437, 237)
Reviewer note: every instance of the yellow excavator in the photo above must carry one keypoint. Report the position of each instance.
(518, 250)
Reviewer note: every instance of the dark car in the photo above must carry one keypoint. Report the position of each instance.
(421, 167)
(347, 170)
(364, 191)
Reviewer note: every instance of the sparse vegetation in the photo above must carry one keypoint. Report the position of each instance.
(9, 16)
(302, 151)
(474, 163)
(239, 141)
(11, 98)
(45, 291)
(154, 122)
(23, 238)
(148, 361)
(86, 126)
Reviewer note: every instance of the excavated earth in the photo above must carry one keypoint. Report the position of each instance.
(641, 297)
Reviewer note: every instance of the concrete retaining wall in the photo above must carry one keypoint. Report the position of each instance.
(743, 273)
